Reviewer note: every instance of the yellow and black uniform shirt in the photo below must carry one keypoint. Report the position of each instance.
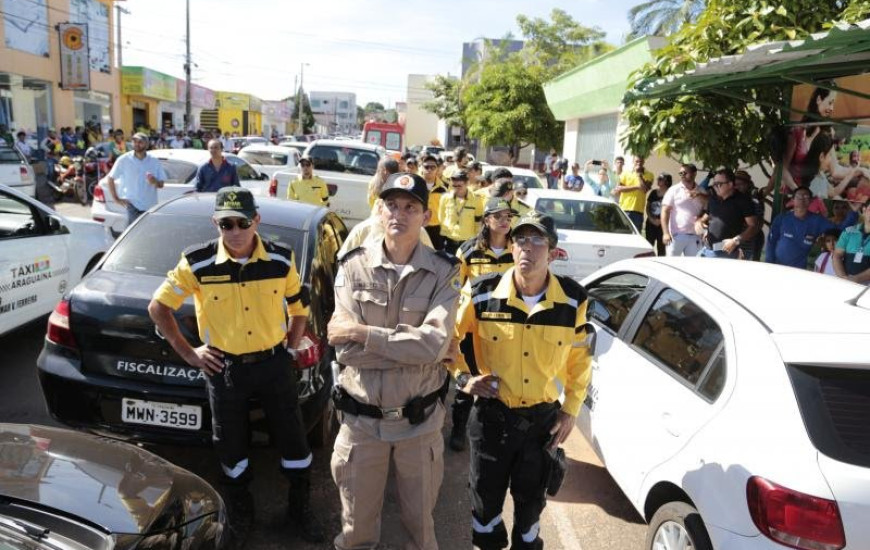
(475, 261)
(521, 209)
(435, 193)
(240, 308)
(460, 218)
(530, 350)
(313, 191)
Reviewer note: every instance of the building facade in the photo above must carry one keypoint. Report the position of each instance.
(31, 97)
(335, 110)
(421, 126)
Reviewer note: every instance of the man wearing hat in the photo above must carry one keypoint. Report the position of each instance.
(240, 284)
(140, 176)
(436, 189)
(307, 187)
(460, 212)
(488, 252)
(395, 306)
(528, 341)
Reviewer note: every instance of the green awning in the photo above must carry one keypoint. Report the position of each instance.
(842, 51)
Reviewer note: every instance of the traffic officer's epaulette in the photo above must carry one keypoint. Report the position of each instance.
(572, 288)
(468, 247)
(450, 258)
(201, 251)
(278, 248)
(438, 189)
(485, 283)
(350, 253)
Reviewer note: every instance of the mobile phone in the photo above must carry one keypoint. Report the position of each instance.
(596, 162)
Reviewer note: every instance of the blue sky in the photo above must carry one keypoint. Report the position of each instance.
(363, 46)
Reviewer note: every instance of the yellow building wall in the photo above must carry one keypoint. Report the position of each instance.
(227, 117)
(127, 103)
(48, 69)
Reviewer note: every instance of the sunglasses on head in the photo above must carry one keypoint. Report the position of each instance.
(227, 224)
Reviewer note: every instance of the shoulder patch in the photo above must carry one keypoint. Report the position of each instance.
(344, 257)
(198, 252)
(279, 248)
(572, 288)
(485, 282)
(453, 260)
(468, 247)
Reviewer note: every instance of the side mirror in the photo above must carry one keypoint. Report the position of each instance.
(56, 227)
(591, 338)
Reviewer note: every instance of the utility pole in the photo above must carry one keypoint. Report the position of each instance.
(301, 95)
(187, 115)
(295, 82)
(119, 11)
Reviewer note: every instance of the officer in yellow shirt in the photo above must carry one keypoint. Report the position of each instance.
(460, 162)
(528, 332)
(240, 284)
(308, 187)
(437, 189)
(460, 213)
(520, 195)
(631, 191)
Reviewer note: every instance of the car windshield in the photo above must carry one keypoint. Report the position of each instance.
(531, 182)
(335, 158)
(10, 156)
(264, 158)
(178, 171)
(154, 245)
(581, 215)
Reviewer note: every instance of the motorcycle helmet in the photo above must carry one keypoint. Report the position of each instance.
(65, 161)
(91, 153)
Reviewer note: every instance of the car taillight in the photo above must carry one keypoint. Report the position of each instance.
(645, 254)
(25, 174)
(273, 187)
(794, 519)
(309, 352)
(561, 254)
(332, 188)
(58, 326)
(99, 195)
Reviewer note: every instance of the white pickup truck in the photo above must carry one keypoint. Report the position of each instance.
(347, 167)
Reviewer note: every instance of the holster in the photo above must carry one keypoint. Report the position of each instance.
(557, 469)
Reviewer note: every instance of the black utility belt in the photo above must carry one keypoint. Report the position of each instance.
(253, 357)
(414, 410)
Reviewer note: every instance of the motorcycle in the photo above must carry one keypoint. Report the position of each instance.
(67, 180)
(96, 166)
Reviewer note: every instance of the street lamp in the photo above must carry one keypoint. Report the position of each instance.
(300, 97)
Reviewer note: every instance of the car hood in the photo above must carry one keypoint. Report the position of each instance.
(120, 487)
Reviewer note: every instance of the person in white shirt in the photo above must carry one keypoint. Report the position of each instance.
(681, 206)
(824, 263)
(177, 142)
(140, 176)
(22, 146)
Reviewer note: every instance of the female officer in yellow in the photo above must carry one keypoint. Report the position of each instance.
(308, 187)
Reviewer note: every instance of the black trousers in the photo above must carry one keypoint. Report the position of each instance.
(434, 232)
(508, 451)
(273, 382)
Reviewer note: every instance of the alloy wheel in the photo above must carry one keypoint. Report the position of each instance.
(672, 536)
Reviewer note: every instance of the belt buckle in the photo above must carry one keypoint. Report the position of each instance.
(392, 414)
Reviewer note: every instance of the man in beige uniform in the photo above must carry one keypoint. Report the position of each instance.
(395, 310)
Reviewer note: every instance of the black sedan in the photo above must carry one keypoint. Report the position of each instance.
(65, 489)
(105, 368)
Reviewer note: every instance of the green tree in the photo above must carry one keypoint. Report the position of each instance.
(507, 106)
(561, 43)
(715, 129)
(373, 107)
(663, 17)
(307, 114)
(447, 103)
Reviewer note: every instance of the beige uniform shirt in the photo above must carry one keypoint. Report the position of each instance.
(411, 315)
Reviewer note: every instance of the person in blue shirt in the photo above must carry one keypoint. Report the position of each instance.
(844, 214)
(793, 234)
(852, 253)
(217, 172)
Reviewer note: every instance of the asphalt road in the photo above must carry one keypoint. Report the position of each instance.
(589, 513)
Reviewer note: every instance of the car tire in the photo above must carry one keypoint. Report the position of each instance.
(321, 434)
(677, 526)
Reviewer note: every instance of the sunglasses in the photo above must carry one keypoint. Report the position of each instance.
(502, 216)
(682, 172)
(534, 240)
(241, 223)
(718, 183)
(521, 193)
(429, 167)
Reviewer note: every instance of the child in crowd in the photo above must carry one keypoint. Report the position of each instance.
(824, 264)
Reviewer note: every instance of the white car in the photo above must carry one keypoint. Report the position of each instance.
(16, 171)
(300, 146)
(42, 254)
(180, 166)
(347, 167)
(593, 231)
(268, 159)
(521, 175)
(730, 401)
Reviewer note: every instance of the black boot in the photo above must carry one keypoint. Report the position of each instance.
(240, 512)
(299, 509)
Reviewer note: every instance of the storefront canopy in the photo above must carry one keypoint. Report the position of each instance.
(842, 51)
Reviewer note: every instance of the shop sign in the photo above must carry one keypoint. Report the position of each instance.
(75, 70)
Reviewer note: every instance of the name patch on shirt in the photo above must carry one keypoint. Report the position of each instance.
(494, 315)
(479, 260)
(215, 278)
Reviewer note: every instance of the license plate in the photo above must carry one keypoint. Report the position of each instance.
(154, 413)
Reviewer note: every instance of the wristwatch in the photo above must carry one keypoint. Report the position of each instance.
(737, 239)
(462, 379)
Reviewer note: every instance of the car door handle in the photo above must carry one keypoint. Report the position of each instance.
(670, 424)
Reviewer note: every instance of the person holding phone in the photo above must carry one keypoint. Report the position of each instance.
(631, 191)
(140, 176)
(527, 327)
(600, 183)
